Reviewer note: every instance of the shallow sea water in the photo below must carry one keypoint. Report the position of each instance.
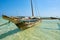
(46, 30)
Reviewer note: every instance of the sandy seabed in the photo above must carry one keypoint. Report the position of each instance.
(46, 30)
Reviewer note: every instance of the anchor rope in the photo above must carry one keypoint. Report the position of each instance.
(5, 23)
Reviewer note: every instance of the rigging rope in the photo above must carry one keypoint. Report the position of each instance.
(5, 23)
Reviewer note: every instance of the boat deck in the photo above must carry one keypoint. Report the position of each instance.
(46, 30)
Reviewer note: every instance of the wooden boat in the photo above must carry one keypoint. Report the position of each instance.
(23, 24)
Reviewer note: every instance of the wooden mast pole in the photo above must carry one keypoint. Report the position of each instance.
(32, 9)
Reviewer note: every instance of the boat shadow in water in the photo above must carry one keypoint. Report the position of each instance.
(9, 33)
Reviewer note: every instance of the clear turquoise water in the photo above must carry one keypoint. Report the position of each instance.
(46, 30)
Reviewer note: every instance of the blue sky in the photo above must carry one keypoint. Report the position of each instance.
(43, 8)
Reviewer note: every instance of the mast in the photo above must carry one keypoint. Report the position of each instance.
(32, 9)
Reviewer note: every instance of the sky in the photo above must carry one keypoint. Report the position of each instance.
(43, 8)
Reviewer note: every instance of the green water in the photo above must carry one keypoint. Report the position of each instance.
(46, 30)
